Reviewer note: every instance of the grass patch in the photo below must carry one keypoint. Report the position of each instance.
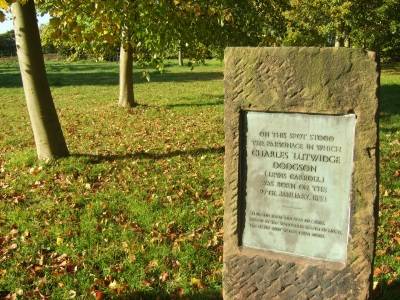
(387, 266)
(136, 210)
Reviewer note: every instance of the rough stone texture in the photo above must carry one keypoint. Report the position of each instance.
(309, 80)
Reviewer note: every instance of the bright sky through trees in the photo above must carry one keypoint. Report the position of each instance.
(7, 25)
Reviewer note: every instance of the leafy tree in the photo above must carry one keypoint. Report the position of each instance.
(62, 47)
(318, 22)
(7, 44)
(213, 25)
(138, 28)
(379, 30)
(47, 131)
(4, 6)
(255, 23)
(369, 24)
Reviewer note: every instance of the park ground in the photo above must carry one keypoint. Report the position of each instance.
(136, 211)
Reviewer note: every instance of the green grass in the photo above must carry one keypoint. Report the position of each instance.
(136, 210)
(387, 267)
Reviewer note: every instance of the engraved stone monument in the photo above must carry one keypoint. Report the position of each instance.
(301, 183)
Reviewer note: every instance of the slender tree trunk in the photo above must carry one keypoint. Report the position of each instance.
(338, 41)
(126, 96)
(180, 58)
(340, 35)
(49, 139)
(347, 42)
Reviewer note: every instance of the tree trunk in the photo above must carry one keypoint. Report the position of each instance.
(347, 42)
(338, 41)
(180, 59)
(49, 139)
(126, 96)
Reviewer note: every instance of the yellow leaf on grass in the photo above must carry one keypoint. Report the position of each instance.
(113, 285)
(196, 283)
(164, 276)
(13, 246)
(71, 294)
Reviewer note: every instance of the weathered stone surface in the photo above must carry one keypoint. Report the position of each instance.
(304, 80)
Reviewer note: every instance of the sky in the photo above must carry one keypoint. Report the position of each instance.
(7, 25)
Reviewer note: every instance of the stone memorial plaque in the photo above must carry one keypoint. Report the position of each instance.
(298, 183)
(301, 173)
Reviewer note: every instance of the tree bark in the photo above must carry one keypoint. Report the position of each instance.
(126, 96)
(347, 42)
(180, 59)
(49, 139)
(338, 41)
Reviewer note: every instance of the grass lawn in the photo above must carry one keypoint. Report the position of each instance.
(136, 211)
(387, 267)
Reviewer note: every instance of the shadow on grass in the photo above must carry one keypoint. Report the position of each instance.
(200, 295)
(79, 78)
(388, 291)
(391, 68)
(219, 101)
(390, 96)
(390, 107)
(95, 159)
(211, 100)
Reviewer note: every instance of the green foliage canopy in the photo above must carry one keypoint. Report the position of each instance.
(369, 24)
